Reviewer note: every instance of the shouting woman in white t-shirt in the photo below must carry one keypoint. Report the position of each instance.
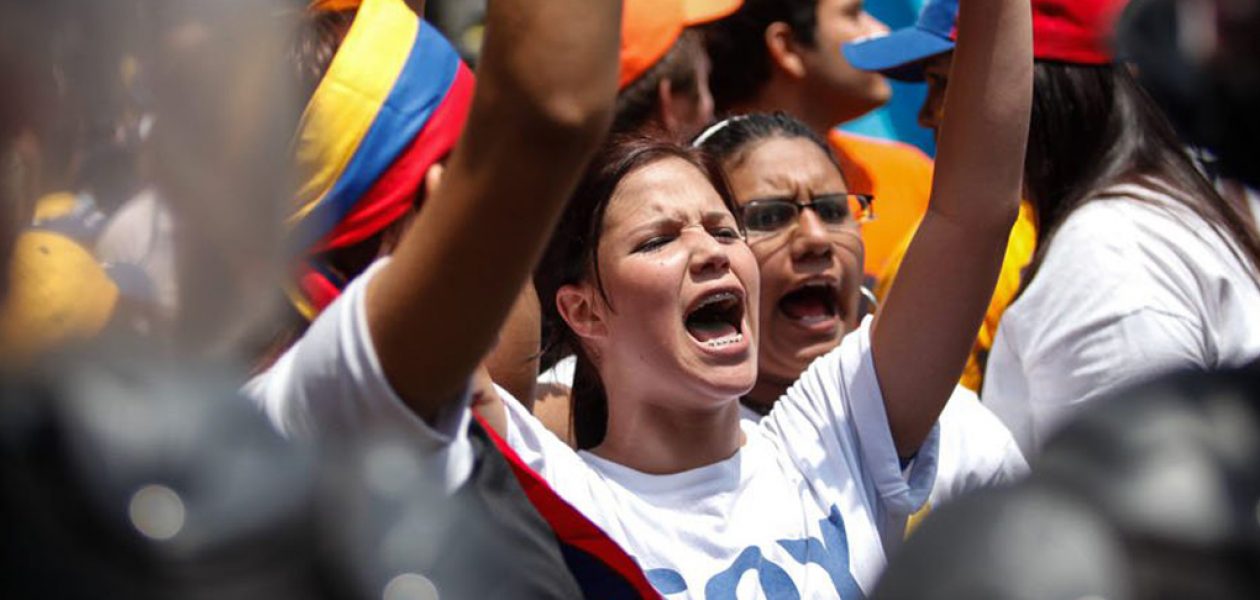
(651, 283)
(805, 232)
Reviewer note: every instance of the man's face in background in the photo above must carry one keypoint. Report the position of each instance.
(936, 75)
(852, 92)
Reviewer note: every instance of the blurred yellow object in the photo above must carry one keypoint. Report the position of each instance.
(58, 293)
(54, 206)
(917, 519)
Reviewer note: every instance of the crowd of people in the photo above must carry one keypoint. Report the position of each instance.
(632, 314)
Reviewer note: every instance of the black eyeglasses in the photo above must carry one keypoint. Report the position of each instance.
(836, 211)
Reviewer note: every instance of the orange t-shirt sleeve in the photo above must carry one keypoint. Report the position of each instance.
(899, 176)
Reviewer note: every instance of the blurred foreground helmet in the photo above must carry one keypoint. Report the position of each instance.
(125, 475)
(1152, 494)
(128, 478)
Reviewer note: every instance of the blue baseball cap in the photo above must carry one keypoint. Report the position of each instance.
(900, 54)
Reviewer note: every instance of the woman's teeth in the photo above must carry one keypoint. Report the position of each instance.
(725, 341)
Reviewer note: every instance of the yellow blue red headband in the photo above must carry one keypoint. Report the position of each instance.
(393, 102)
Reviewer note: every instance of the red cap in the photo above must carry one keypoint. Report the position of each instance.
(1075, 31)
(649, 28)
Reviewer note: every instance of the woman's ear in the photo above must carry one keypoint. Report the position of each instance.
(392, 235)
(582, 308)
(667, 105)
(433, 178)
(784, 50)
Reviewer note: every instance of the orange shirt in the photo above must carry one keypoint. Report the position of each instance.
(899, 176)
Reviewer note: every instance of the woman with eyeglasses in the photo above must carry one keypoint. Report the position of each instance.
(803, 225)
(804, 228)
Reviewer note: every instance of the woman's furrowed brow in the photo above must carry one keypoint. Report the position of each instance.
(717, 216)
(654, 225)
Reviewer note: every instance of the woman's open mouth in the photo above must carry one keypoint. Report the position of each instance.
(814, 305)
(717, 319)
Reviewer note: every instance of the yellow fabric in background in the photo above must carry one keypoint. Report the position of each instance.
(54, 206)
(917, 519)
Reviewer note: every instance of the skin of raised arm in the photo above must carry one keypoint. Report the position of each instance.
(928, 323)
(546, 88)
(513, 363)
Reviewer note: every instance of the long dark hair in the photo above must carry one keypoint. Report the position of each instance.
(573, 257)
(1093, 127)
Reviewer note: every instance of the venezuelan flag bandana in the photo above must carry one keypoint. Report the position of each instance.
(393, 102)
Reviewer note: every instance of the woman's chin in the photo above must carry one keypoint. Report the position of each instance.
(730, 382)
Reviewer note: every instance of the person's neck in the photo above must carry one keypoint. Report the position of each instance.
(660, 439)
(765, 393)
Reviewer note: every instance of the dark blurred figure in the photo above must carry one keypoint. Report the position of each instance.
(130, 478)
(132, 468)
(1200, 59)
(124, 471)
(1151, 494)
(71, 156)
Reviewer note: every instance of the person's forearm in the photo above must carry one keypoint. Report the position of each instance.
(979, 161)
(513, 363)
(928, 323)
(544, 102)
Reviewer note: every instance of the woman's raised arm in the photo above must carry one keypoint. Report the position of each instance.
(927, 325)
(544, 101)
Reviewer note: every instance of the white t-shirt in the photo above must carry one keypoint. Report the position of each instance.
(329, 385)
(808, 507)
(976, 450)
(1132, 285)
